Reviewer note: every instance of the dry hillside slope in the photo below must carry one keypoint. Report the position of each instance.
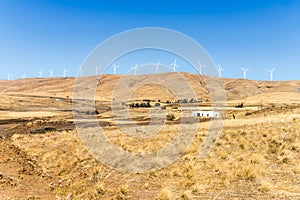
(62, 87)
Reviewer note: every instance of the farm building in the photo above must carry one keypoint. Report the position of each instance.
(211, 114)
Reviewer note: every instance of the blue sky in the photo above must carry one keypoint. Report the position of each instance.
(260, 35)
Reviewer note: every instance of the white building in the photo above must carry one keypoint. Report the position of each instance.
(201, 113)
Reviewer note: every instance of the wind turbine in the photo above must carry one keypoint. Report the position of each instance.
(220, 69)
(156, 67)
(271, 73)
(81, 71)
(245, 71)
(200, 68)
(51, 73)
(41, 73)
(65, 72)
(97, 69)
(8, 76)
(174, 65)
(24, 75)
(115, 68)
(135, 68)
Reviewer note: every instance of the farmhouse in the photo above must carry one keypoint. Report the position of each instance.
(211, 114)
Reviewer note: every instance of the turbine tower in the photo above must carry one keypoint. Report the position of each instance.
(65, 72)
(156, 67)
(97, 69)
(135, 68)
(200, 68)
(220, 69)
(115, 68)
(51, 73)
(245, 72)
(271, 73)
(174, 65)
(41, 73)
(24, 75)
(81, 71)
(8, 76)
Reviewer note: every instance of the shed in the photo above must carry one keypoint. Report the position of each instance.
(208, 113)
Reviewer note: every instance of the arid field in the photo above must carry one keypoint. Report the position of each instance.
(257, 155)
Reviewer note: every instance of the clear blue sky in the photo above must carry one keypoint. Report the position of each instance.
(53, 34)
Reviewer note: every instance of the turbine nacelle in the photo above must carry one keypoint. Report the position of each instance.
(135, 69)
(220, 69)
(245, 71)
(97, 69)
(174, 65)
(81, 70)
(65, 72)
(8, 76)
(51, 73)
(271, 73)
(41, 73)
(200, 67)
(156, 67)
(115, 68)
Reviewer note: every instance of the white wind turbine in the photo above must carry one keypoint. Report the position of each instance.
(200, 68)
(97, 69)
(24, 75)
(8, 76)
(156, 67)
(65, 72)
(51, 73)
(245, 72)
(115, 68)
(220, 69)
(174, 65)
(41, 73)
(135, 68)
(271, 73)
(81, 70)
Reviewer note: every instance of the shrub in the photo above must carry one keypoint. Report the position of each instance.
(241, 105)
(131, 105)
(170, 117)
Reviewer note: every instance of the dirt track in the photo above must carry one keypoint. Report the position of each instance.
(9, 127)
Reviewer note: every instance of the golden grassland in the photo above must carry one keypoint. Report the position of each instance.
(257, 156)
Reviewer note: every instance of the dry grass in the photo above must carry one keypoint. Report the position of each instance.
(260, 159)
(257, 155)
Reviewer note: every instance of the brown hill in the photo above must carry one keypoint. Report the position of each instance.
(147, 87)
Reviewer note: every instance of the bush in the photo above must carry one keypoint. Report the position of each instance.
(170, 117)
(241, 105)
(140, 105)
(131, 105)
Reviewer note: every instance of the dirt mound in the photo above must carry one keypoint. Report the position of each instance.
(20, 176)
